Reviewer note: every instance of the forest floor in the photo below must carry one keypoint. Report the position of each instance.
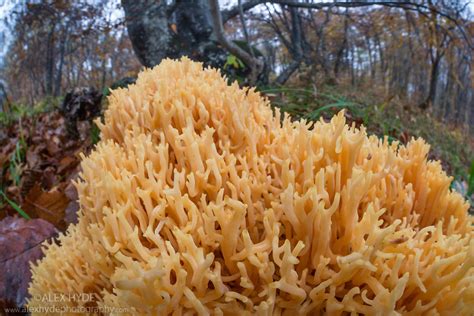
(39, 161)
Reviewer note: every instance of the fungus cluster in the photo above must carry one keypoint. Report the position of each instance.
(201, 199)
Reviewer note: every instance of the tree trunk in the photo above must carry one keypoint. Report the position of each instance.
(371, 58)
(49, 64)
(383, 67)
(158, 30)
(286, 74)
(59, 73)
(104, 73)
(433, 82)
(147, 25)
(352, 61)
(342, 48)
(294, 45)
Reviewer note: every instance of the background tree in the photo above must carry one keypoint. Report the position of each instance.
(419, 53)
(63, 45)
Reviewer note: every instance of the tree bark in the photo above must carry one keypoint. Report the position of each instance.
(286, 74)
(342, 48)
(50, 60)
(433, 82)
(62, 52)
(147, 25)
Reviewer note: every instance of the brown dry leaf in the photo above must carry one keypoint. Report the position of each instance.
(28, 179)
(52, 147)
(8, 148)
(404, 137)
(71, 216)
(3, 159)
(174, 28)
(33, 159)
(49, 206)
(20, 242)
(71, 211)
(50, 178)
(66, 163)
(71, 192)
(13, 190)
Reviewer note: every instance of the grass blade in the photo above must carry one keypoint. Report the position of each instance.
(314, 115)
(15, 206)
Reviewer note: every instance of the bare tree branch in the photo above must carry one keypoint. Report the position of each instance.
(286, 74)
(233, 12)
(230, 13)
(406, 5)
(244, 28)
(254, 64)
(274, 25)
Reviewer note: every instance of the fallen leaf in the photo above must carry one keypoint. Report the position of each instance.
(28, 180)
(9, 147)
(52, 147)
(49, 206)
(49, 178)
(32, 159)
(3, 159)
(71, 215)
(174, 28)
(404, 137)
(13, 190)
(66, 163)
(20, 241)
(71, 192)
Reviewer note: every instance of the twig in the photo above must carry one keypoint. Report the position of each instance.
(244, 28)
(254, 64)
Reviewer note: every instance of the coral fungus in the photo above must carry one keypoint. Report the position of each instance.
(200, 198)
